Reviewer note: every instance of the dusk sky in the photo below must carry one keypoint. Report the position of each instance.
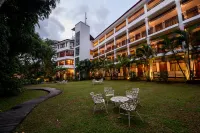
(100, 14)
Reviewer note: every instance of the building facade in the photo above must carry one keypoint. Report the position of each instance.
(145, 23)
(65, 58)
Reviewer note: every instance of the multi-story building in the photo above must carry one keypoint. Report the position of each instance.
(145, 23)
(65, 57)
(83, 42)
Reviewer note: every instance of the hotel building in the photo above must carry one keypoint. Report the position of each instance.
(143, 23)
(65, 57)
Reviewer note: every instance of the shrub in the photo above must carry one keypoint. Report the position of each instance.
(11, 87)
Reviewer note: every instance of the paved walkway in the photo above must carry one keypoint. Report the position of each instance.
(12, 118)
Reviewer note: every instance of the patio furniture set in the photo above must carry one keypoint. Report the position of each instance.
(127, 103)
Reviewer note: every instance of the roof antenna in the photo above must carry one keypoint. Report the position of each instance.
(85, 18)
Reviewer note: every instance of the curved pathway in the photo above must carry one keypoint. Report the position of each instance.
(10, 119)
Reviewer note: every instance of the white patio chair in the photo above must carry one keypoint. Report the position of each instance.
(98, 100)
(131, 94)
(109, 92)
(130, 106)
(101, 81)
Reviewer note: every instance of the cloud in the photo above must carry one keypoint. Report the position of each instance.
(50, 28)
(70, 12)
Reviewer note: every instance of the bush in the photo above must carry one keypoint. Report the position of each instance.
(163, 76)
(133, 76)
(11, 87)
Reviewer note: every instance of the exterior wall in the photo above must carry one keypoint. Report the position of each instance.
(164, 5)
(67, 46)
(85, 43)
(170, 14)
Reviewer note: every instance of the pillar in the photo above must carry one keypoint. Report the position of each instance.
(180, 18)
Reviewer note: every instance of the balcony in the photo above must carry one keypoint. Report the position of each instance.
(190, 8)
(95, 55)
(169, 18)
(109, 34)
(121, 41)
(110, 57)
(136, 15)
(153, 3)
(102, 39)
(122, 53)
(119, 27)
(110, 47)
(95, 43)
(102, 51)
(137, 33)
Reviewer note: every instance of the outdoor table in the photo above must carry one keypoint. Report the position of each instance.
(119, 99)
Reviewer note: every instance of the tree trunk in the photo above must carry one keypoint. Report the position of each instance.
(1, 2)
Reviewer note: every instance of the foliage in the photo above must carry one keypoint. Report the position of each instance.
(133, 76)
(18, 38)
(123, 62)
(145, 55)
(182, 45)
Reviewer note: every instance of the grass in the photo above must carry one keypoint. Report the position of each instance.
(165, 108)
(8, 102)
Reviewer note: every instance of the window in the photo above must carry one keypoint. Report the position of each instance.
(69, 53)
(61, 63)
(71, 45)
(77, 38)
(69, 62)
(77, 51)
(62, 45)
(62, 54)
(175, 66)
(58, 46)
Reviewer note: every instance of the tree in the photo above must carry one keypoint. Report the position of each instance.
(123, 62)
(183, 47)
(17, 35)
(145, 55)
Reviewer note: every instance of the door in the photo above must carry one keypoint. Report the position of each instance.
(163, 66)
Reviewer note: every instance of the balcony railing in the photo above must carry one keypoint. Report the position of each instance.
(95, 55)
(110, 48)
(101, 52)
(109, 34)
(136, 15)
(191, 12)
(153, 3)
(122, 25)
(120, 44)
(165, 24)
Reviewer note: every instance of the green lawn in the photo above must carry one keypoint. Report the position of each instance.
(165, 108)
(9, 102)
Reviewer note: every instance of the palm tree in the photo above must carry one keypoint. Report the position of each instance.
(145, 55)
(190, 39)
(84, 67)
(123, 62)
(186, 40)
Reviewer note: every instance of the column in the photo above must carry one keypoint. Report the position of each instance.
(180, 18)
(147, 30)
(105, 48)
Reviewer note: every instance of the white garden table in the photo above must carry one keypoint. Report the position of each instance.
(119, 99)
